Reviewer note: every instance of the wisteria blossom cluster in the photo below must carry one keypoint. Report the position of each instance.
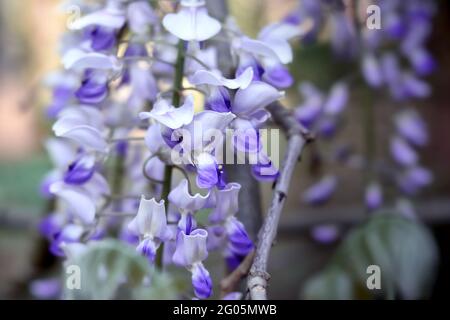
(141, 82)
(393, 60)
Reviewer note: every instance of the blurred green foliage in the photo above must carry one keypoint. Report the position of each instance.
(106, 265)
(405, 251)
(19, 184)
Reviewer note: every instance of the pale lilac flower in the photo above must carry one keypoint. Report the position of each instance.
(325, 234)
(273, 42)
(321, 191)
(412, 180)
(46, 288)
(412, 127)
(373, 196)
(154, 168)
(141, 16)
(372, 71)
(81, 200)
(239, 244)
(204, 77)
(151, 225)
(343, 35)
(278, 76)
(224, 202)
(254, 98)
(80, 60)
(143, 86)
(402, 152)
(337, 99)
(171, 117)
(112, 16)
(308, 113)
(71, 233)
(265, 170)
(187, 205)
(422, 61)
(191, 250)
(83, 125)
(192, 22)
(415, 87)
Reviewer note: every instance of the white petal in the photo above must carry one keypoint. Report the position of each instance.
(211, 78)
(257, 96)
(280, 30)
(153, 138)
(170, 116)
(191, 248)
(78, 201)
(79, 60)
(86, 136)
(61, 151)
(150, 219)
(257, 47)
(182, 199)
(192, 24)
(104, 18)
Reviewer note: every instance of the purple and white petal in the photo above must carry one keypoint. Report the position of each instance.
(150, 220)
(80, 60)
(201, 281)
(168, 115)
(191, 249)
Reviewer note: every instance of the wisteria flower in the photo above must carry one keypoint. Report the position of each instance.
(150, 224)
(187, 204)
(190, 252)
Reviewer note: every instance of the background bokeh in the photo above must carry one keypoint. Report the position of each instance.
(29, 31)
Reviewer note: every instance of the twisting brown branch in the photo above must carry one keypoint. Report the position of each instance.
(230, 282)
(298, 137)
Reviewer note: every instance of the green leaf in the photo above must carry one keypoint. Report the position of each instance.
(404, 250)
(111, 269)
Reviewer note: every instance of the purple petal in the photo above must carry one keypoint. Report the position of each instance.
(191, 248)
(321, 191)
(201, 282)
(80, 171)
(325, 234)
(207, 171)
(278, 76)
(374, 196)
(402, 152)
(147, 248)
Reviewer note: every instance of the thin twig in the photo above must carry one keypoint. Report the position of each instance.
(230, 282)
(298, 137)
